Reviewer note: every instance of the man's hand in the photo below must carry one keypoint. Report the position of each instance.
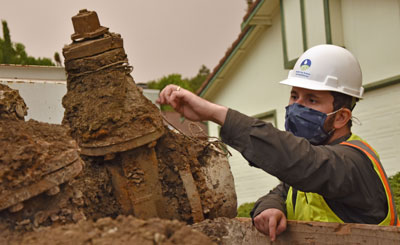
(271, 222)
(192, 106)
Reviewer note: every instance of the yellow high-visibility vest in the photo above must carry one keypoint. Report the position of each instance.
(313, 207)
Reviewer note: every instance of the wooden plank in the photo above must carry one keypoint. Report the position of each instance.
(241, 231)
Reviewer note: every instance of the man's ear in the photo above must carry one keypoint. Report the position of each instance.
(342, 118)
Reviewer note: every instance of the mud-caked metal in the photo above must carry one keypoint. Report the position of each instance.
(109, 117)
(35, 157)
(87, 25)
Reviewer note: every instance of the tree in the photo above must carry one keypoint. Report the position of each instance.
(7, 48)
(57, 58)
(14, 53)
(1, 49)
(170, 79)
(191, 84)
(198, 80)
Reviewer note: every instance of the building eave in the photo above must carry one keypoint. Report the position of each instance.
(223, 62)
(253, 22)
(251, 12)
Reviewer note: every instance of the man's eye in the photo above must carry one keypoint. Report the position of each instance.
(293, 97)
(313, 101)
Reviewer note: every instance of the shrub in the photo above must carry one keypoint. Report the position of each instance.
(244, 209)
(395, 184)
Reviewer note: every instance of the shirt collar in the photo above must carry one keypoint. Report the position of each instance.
(341, 139)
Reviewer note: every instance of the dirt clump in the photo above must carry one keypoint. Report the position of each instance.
(37, 160)
(113, 187)
(122, 230)
(230, 231)
(28, 151)
(12, 106)
(103, 106)
(178, 153)
(94, 190)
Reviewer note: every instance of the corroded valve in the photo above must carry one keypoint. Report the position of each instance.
(154, 172)
(105, 110)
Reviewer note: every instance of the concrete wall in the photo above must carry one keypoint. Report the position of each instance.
(43, 99)
(43, 88)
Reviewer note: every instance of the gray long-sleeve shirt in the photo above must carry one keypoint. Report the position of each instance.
(343, 175)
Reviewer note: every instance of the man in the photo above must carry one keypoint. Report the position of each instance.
(327, 173)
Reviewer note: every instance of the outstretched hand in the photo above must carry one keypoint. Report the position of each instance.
(271, 222)
(192, 106)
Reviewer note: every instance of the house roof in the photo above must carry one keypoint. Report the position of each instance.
(251, 11)
(231, 50)
(224, 59)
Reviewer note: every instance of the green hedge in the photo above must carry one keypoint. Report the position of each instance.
(244, 209)
(395, 184)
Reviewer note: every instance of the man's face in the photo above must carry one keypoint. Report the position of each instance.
(318, 100)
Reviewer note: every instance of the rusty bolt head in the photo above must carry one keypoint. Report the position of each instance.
(87, 25)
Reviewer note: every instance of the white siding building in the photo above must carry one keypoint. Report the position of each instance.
(274, 34)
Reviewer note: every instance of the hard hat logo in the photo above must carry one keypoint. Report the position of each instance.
(305, 64)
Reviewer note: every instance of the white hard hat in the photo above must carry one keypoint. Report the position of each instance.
(327, 67)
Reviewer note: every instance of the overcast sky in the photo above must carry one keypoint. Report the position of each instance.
(160, 36)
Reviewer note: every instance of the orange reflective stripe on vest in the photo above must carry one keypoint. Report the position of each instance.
(393, 215)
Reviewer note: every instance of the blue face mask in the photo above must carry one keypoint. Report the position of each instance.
(307, 123)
